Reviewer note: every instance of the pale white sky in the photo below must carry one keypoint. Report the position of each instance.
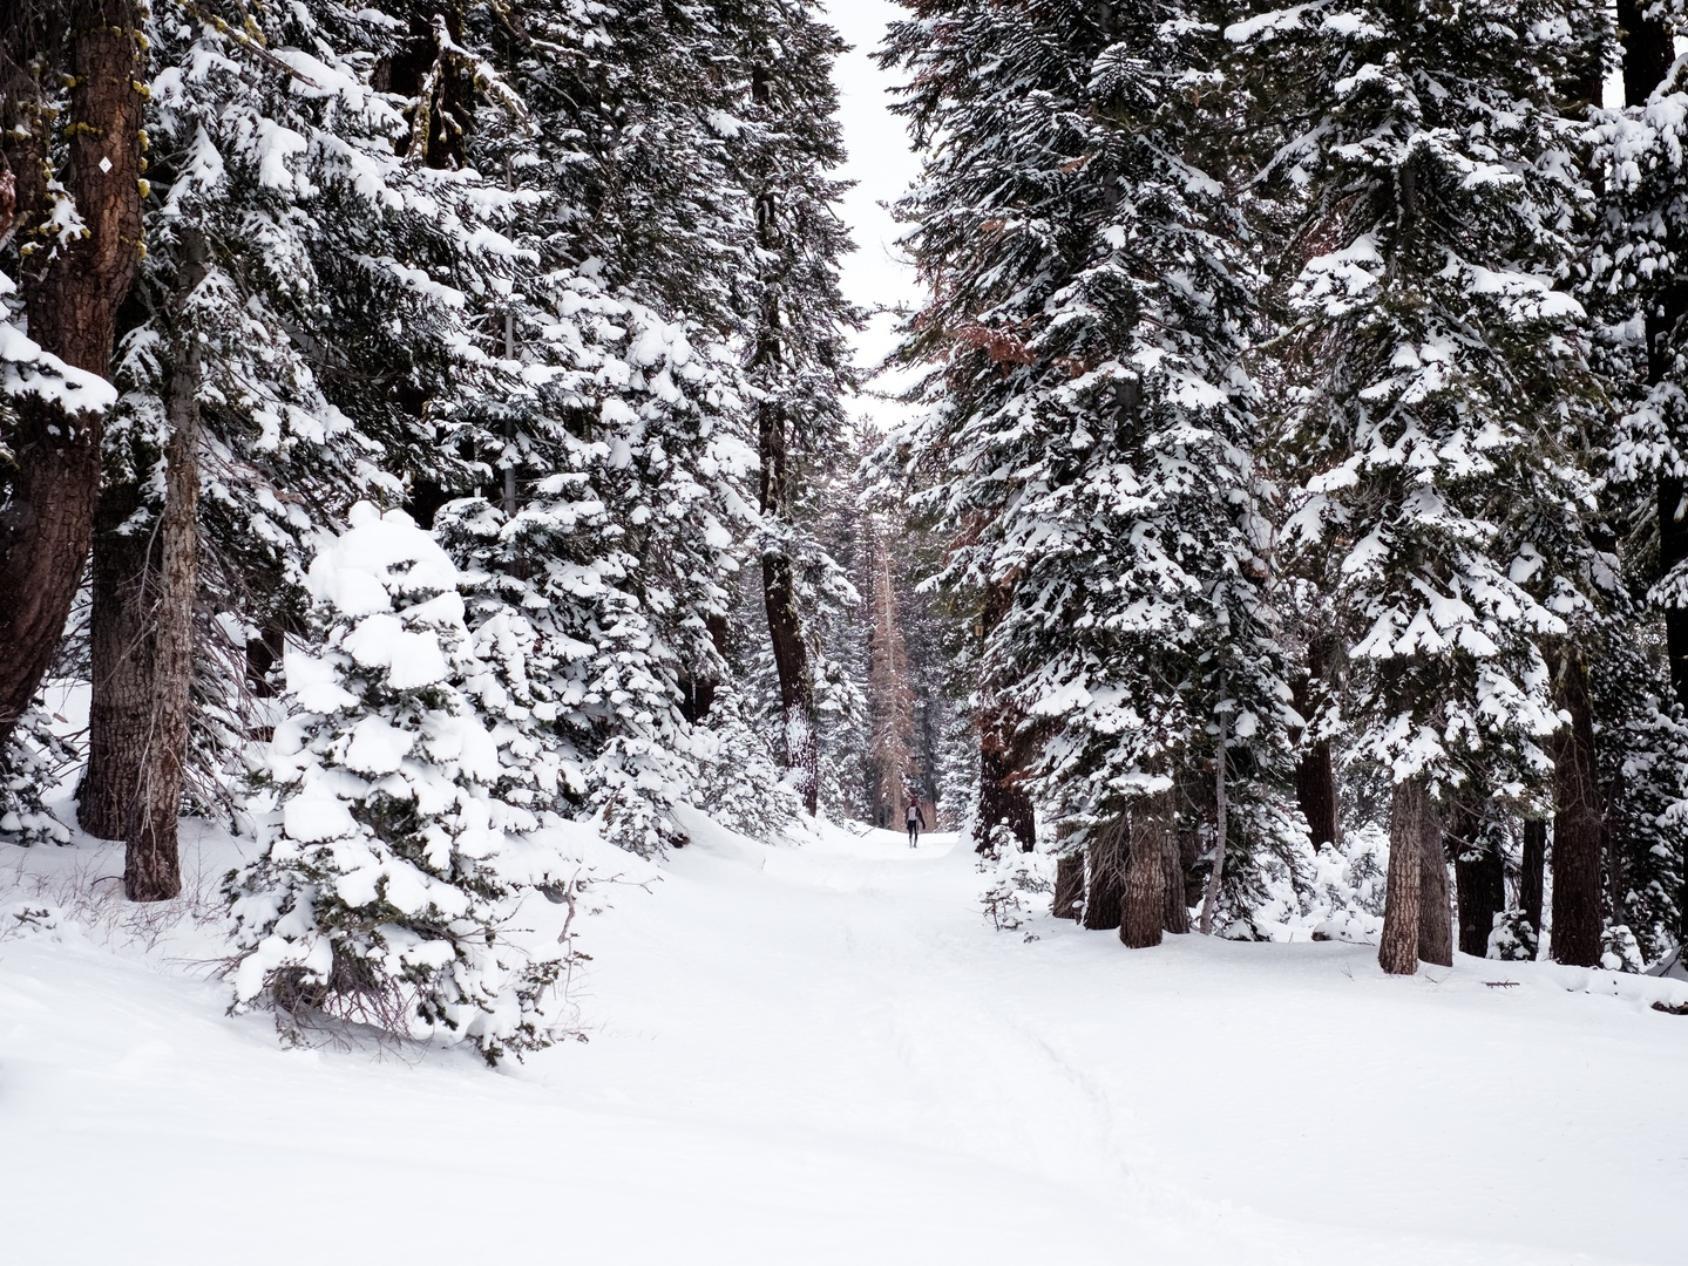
(882, 165)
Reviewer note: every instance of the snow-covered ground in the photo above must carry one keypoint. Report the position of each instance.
(822, 1054)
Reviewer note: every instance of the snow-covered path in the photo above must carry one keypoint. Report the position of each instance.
(823, 1055)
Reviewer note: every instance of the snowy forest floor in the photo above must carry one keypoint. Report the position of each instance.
(822, 1054)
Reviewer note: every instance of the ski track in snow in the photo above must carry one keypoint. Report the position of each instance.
(822, 1054)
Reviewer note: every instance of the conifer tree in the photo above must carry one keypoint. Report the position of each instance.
(799, 363)
(1440, 481)
(1093, 306)
(396, 850)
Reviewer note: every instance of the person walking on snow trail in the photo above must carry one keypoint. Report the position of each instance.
(916, 822)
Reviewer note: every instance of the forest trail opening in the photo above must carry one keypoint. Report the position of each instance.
(822, 1053)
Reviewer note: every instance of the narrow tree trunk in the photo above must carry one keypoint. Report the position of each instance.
(151, 869)
(1143, 911)
(1408, 817)
(1532, 872)
(1480, 879)
(1069, 887)
(47, 521)
(1577, 823)
(1315, 770)
(125, 593)
(1435, 915)
(1221, 826)
(1104, 892)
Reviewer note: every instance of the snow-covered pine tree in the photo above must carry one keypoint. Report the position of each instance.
(1642, 741)
(396, 851)
(1440, 485)
(1639, 274)
(606, 535)
(1093, 305)
(282, 217)
(1639, 679)
(786, 141)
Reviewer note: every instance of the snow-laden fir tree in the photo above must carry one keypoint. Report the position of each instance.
(786, 140)
(606, 468)
(297, 263)
(1093, 423)
(1637, 275)
(397, 847)
(1434, 186)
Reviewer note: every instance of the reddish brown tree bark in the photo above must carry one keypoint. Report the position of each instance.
(1410, 820)
(1578, 822)
(72, 291)
(1435, 915)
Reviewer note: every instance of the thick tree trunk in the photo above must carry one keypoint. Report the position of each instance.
(1435, 915)
(151, 869)
(1069, 887)
(1480, 879)
(1578, 823)
(1143, 910)
(1104, 892)
(71, 302)
(1176, 916)
(125, 594)
(1409, 822)
(1532, 871)
(1315, 770)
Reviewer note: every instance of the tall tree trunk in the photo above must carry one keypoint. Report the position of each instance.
(800, 742)
(1315, 769)
(125, 594)
(1409, 821)
(785, 626)
(1143, 911)
(71, 300)
(1069, 887)
(1480, 879)
(1578, 823)
(1002, 801)
(1532, 871)
(151, 867)
(1435, 915)
(1104, 891)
